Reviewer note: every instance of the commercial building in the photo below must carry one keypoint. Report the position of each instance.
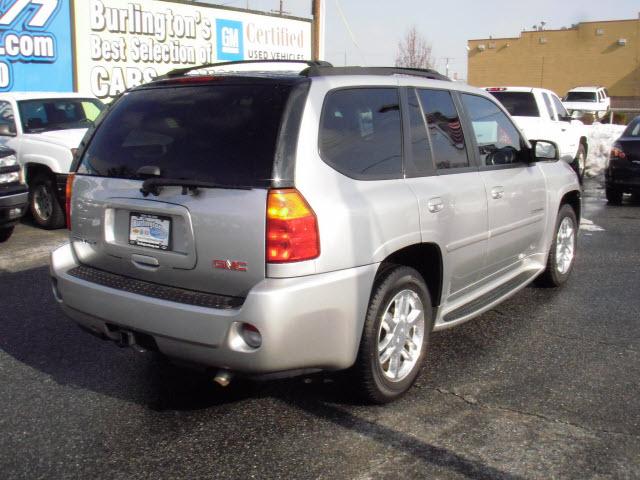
(605, 53)
(103, 47)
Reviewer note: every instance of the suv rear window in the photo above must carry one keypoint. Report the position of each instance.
(225, 134)
(518, 104)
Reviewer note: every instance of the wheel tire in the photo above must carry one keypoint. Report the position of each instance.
(555, 275)
(43, 202)
(373, 384)
(580, 163)
(614, 196)
(5, 233)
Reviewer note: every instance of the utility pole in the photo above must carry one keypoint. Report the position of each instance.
(447, 60)
(318, 21)
(280, 11)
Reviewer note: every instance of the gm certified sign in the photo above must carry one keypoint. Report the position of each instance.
(229, 38)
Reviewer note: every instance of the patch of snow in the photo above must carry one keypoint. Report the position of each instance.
(600, 137)
(587, 225)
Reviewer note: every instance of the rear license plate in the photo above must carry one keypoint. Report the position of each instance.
(150, 231)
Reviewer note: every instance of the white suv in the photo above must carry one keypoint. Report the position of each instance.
(580, 101)
(329, 219)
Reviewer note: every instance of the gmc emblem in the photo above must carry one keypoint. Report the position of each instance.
(234, 266)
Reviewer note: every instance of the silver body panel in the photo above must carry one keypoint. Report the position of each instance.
(310, 313)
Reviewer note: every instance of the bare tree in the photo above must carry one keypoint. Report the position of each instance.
(414, 51)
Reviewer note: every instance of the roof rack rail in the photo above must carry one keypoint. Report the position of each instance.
(178, 72)
(324, 70)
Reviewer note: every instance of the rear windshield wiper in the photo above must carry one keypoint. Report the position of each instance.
(154, 185)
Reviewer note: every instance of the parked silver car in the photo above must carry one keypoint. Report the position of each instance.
(265, 223)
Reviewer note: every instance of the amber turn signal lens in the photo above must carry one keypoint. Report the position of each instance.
(292, 228)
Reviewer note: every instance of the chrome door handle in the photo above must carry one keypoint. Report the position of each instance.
(435, 205)
(497, 193)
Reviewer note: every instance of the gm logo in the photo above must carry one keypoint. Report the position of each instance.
(229, 36)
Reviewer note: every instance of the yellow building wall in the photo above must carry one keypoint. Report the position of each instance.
(563, 59)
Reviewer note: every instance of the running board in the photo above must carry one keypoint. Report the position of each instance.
(490, 297)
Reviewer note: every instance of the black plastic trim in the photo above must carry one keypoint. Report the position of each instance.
(284, 164)
(154, 290)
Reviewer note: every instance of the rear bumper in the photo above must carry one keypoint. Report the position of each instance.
(626, 178)
(13, 205)
(308, 322)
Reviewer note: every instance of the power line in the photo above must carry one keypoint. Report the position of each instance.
(348, 27)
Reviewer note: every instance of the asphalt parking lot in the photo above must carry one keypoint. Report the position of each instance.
(545, 386)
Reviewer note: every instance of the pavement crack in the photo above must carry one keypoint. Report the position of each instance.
(470, 400)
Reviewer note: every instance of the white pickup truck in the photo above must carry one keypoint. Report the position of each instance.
(540, 114)
(45, 129)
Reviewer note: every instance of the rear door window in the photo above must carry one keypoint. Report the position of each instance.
(225, 134)
(562, 112)
(420, 162)
(445, 129)
(547, 102)
(361, 133)
(499, 142)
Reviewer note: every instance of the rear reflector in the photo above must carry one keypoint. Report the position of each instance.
(67, 197)
(292, 228)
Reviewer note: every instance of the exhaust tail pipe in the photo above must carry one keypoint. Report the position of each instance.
(223, 378)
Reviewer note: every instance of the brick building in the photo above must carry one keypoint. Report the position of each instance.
(603, 53)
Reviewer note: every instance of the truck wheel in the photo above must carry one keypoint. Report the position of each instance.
(394, 340)
(614, 196)
(43, 202)
(5, 233)
(580, 162)
(563, 249)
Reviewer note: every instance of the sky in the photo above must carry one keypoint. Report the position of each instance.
(378, 26)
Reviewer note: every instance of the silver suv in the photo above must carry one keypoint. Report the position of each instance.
(281, 223)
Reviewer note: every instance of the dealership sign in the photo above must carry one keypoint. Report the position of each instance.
(35, 45)
(120, 44)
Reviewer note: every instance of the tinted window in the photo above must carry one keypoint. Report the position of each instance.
(498, 140)
(581, 97)
(420, 162)
(547, 102)
(518, 104)
(361, 134)
(7, 119)
(58, 114)
(633, 130)
(224, 133)
(562, 112)
(445, 129)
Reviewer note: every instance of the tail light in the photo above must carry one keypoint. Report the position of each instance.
(617, 152)
(292, 228)
(68, 193)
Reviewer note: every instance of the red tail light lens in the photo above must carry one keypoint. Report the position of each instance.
(617, 152)
(292, 228)
(67, 196)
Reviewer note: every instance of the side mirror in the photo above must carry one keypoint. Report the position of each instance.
(544, 150)
(565, 118)
(5, 130)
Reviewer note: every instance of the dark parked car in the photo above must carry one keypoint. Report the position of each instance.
(623, 172)
(13, 193)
